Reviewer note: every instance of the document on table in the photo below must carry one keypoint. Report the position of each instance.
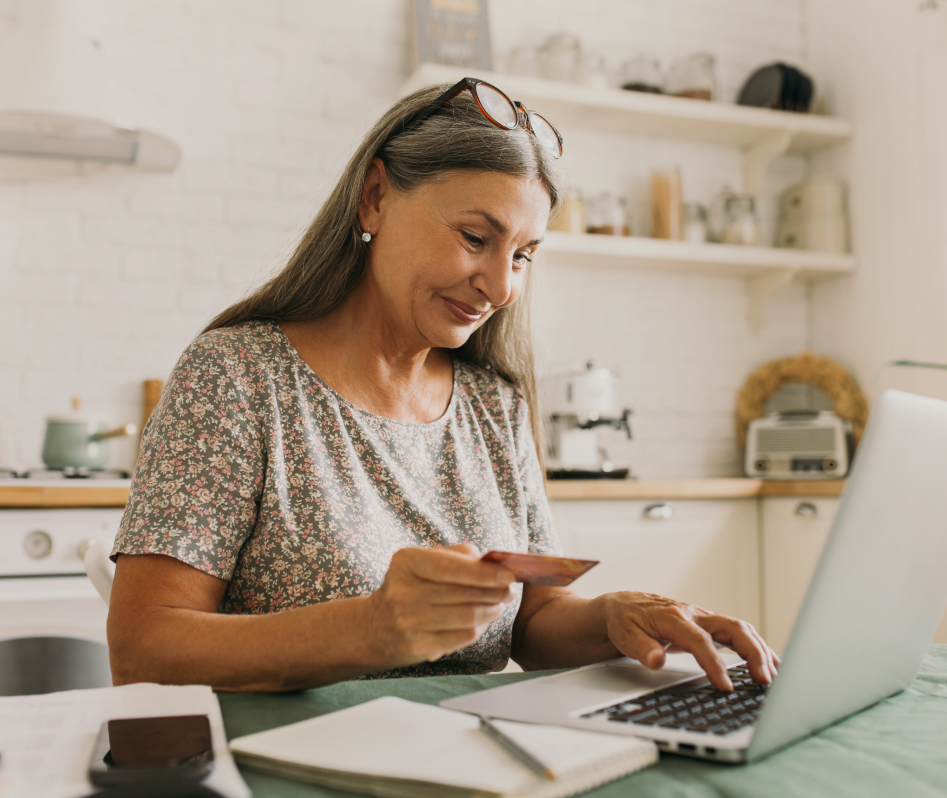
(46, 741)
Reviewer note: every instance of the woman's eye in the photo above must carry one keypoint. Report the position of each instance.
(521, 258)
(475, 240)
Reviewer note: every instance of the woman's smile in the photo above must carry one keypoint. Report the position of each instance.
(463, 311)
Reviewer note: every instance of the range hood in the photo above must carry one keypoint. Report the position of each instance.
(76, 138)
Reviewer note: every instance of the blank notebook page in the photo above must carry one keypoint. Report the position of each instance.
(394, 738)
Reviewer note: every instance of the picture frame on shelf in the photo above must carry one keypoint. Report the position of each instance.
(451, 32)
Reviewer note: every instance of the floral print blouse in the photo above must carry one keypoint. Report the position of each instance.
(255, 471)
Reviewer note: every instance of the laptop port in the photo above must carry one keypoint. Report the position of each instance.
(710, 750)
(687, 747)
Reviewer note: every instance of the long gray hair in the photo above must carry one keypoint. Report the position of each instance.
(331, 257)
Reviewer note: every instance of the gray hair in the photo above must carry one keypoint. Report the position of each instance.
(331, 257)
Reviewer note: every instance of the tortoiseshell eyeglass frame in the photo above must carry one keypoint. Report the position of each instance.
(523, 116)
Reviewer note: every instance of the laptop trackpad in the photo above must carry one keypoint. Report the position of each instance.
(619, 679)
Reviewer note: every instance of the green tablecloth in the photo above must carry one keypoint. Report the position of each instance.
(896, 748)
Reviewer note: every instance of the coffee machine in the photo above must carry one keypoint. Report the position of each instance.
(580, 402)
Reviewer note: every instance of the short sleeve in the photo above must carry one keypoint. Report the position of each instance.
(542, 531)
(197, 486)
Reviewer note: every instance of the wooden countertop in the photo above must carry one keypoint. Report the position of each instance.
(736, 488)
(65, 493)
(114, 493)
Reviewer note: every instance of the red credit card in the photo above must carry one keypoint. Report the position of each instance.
(541, 569)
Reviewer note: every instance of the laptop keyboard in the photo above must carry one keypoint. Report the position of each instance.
(701, 708)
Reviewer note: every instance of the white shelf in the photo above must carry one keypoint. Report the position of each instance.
(624, 252)
(761, 134)
(641, 114)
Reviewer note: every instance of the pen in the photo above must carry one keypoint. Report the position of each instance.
(512, 747)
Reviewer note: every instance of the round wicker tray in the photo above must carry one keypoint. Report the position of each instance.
(823, 373)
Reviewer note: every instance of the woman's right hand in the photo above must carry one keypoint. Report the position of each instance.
(433, 602)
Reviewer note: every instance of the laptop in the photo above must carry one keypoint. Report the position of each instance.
(869, 615)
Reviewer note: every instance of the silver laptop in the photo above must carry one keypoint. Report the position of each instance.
(869, 615)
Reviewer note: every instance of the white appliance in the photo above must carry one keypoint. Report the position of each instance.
(578, 402)
(52, 620)
(866, 623)
(798, 444)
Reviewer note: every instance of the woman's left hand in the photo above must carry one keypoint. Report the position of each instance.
(645, 626)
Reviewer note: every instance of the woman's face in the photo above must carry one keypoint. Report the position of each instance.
(446, 257)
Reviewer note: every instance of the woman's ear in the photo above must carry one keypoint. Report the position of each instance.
(376, 189)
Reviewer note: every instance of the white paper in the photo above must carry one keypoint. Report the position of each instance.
(391, 737)
(46, 741)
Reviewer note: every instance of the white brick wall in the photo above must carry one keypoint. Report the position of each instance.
(105, 277)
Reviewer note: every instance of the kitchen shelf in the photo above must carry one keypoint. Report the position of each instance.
(762, 134)
(630, 252)
(768, 270)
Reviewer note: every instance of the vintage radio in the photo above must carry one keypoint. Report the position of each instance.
(798, 445)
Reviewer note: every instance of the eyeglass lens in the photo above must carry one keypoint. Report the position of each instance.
(545, 133)
(497, 106)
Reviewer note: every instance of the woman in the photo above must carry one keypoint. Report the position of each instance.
(330, 458)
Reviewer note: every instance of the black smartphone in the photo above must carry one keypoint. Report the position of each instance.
(133, 751)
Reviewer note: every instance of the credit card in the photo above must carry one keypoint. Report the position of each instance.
(541, 569)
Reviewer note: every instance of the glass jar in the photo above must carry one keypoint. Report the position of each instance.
(642, 74)
(695, 224)
(742, 226)
(590, 71)
(607, 216)
(694, 77)
(559, 57)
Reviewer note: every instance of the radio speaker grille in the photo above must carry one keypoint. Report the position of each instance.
(809, 440)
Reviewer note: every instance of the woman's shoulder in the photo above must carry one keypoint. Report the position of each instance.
(245, 357)
(492, 389)
(250, 337)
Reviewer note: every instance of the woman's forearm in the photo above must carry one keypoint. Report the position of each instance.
(296, 649)
(561, 630)
(165, 626)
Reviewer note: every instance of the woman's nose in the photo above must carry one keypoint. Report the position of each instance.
(495, 281)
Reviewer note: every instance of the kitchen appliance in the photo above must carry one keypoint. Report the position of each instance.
(7, 474)
(74, 441)
(52, 620)
(798, 444)
(579, 403)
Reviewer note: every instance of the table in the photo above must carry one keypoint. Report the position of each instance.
(896, 748)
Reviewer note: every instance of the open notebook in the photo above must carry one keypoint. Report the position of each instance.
(395, 748)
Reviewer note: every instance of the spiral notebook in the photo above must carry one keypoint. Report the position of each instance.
(394, 748)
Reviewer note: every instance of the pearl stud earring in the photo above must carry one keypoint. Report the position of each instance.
(366, 236)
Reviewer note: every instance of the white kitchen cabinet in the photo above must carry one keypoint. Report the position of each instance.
(794, 530)
(703, 552)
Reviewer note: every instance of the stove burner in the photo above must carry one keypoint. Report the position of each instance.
(63, 473)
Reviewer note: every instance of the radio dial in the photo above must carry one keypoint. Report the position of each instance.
(38, 544)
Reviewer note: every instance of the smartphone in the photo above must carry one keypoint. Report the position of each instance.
(132, 751)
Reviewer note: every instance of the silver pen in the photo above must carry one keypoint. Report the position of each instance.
(512, 747)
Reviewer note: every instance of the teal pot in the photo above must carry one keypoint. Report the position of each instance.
(79, 443)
